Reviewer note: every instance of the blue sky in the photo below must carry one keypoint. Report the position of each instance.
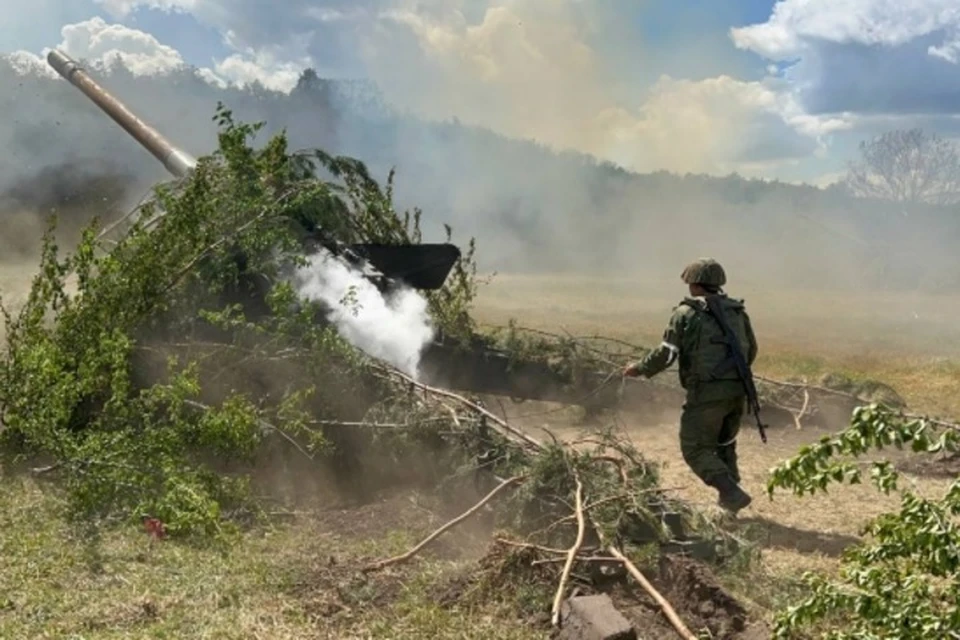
(199, 44)
(696, 85)
(696, 25)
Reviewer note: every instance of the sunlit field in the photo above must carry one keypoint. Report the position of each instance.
(910, 341)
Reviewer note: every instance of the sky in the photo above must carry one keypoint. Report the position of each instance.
(782, 90)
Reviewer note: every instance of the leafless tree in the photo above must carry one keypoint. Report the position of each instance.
(908, 166)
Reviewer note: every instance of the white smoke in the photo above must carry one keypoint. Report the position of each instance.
(395, 328)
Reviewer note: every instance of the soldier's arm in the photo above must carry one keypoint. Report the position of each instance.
(751, 340)
(665, 354)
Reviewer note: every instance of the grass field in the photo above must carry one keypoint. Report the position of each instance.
(298, 579)
(910, 341)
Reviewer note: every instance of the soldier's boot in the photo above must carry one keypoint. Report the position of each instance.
(732, 498)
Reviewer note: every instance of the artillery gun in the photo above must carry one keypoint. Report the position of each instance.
(477, 367)
(423, 266)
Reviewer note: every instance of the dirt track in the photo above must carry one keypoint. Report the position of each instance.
(799, 533)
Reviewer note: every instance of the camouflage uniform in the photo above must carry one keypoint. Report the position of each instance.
(715, 397)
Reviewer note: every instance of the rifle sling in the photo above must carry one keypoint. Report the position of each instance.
(736, 360)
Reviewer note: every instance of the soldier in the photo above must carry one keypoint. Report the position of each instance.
(715, 398)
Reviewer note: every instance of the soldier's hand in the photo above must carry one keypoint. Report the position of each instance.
(631, 371)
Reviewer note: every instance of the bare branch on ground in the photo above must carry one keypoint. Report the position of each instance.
(463, 516)
(571, 555)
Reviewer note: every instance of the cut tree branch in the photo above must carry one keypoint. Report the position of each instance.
(463, 516)
(513, 431)
(600, 559)
(378, 425)
(803, 409)
(46, 469)
(571, 555)
(264, 426)
(535, 547)
(618, 463)
(667, 608)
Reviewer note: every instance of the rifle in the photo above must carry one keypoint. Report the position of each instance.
(736, 354)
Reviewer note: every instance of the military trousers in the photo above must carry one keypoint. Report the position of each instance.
(708, 436)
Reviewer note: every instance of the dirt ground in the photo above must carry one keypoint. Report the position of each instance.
(905, 340)
(794, 534)
(800, 532)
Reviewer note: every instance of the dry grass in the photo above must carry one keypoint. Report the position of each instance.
(298, 580)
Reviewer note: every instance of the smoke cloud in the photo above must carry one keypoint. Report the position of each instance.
(500, 179)
(395, 328)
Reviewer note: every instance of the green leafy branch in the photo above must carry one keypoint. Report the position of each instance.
(89, 378)
(901, 581)
(873, 427)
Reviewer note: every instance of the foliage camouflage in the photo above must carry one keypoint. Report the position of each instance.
(132, 441)
(130, 382)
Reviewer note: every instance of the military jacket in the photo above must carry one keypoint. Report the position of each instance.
(691, 340)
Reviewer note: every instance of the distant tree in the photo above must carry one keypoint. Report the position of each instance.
(312, 100)
(308, 80)
(907, 166)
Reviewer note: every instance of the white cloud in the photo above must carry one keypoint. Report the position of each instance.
(715, 125)
(525, 68)
(794, 24)
(140, 52)
(103, 44)
(528, 68)
(262, 67)
(865, 56)
(949, 50)
(329, 14)
(25, 62)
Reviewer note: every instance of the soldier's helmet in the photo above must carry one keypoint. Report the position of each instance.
(705, 271)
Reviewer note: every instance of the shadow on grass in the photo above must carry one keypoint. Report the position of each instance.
(773, 534)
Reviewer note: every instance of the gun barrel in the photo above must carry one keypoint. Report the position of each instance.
(176, 161)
